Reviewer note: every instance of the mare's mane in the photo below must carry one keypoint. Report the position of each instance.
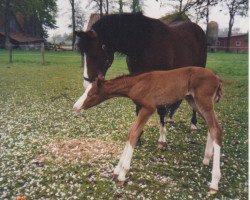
(128, 33)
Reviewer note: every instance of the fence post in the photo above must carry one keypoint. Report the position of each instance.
(42, 52)
(10, 52)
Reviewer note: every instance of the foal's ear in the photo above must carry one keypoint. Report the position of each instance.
(99, 80)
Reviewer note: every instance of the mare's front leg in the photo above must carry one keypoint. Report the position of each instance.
(124, 163)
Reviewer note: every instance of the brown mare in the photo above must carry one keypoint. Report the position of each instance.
(149, 45)
(198, 86)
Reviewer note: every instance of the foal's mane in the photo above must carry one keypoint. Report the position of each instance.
(128, 33)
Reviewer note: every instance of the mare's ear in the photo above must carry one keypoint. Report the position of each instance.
(80, 34)
(85, 40)
(89, 35)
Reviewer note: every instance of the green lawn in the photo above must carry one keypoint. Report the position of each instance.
(36, 116)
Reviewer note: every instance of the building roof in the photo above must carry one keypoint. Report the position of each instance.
(239, 35)
(22, 38)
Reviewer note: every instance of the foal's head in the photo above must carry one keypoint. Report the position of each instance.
(97, 57)
(94, 94)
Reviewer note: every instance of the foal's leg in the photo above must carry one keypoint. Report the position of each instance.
(209, 149)
(162, 139)
(137, 110)
(216, 137)
(134, 133)
(205, 107)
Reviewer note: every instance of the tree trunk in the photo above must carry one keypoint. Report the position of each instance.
(120, 6)
(207, 15)
(231, 22)
(73, 23)
(107, 6)
(180, 8)
(7, 24)
(101, 4)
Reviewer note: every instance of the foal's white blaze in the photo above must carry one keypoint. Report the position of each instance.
(216, 174)
(78, 105)
(85, 73)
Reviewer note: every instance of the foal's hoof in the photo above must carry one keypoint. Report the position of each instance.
(114, 177)
(121, 183)
(205, 161)
(213, 191)
(193, 128)
(139, 143)
(161, 145)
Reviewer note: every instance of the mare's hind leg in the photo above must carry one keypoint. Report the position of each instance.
(173, 109)
(205, 108)
(162, 139)
(193, 121)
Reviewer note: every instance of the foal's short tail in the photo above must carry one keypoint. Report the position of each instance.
(219, 92)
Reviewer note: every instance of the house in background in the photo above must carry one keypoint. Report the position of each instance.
(24, 32)
(238, 43)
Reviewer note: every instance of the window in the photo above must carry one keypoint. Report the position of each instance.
(237, 43)
(218, 43)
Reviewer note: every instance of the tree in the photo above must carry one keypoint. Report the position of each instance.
(136, 6)
(72, 4)
(42, 13)
(202, 9)
(99, 5)
(77, 18)
(121, 4)
(235, 7)
(183, 6)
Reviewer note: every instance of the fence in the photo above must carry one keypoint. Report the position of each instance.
(43, 53)
(40, 50)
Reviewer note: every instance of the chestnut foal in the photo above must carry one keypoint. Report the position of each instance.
(198, 86)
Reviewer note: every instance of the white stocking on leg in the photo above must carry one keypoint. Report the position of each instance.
(119, 165)
(125, 165)
(216, 174)
(162, 138)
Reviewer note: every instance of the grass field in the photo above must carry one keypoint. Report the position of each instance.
(37, 121)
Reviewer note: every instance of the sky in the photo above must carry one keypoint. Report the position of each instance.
(151, 9)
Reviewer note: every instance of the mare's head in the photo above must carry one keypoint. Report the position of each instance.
(92, 96)
(97, 57)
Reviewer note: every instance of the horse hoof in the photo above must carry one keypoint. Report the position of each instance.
(205, 161)
(161, 145)
(193, 128)
(114, 177)
(139, 143)
(213, 191)
(121, 183)
(170, 121)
